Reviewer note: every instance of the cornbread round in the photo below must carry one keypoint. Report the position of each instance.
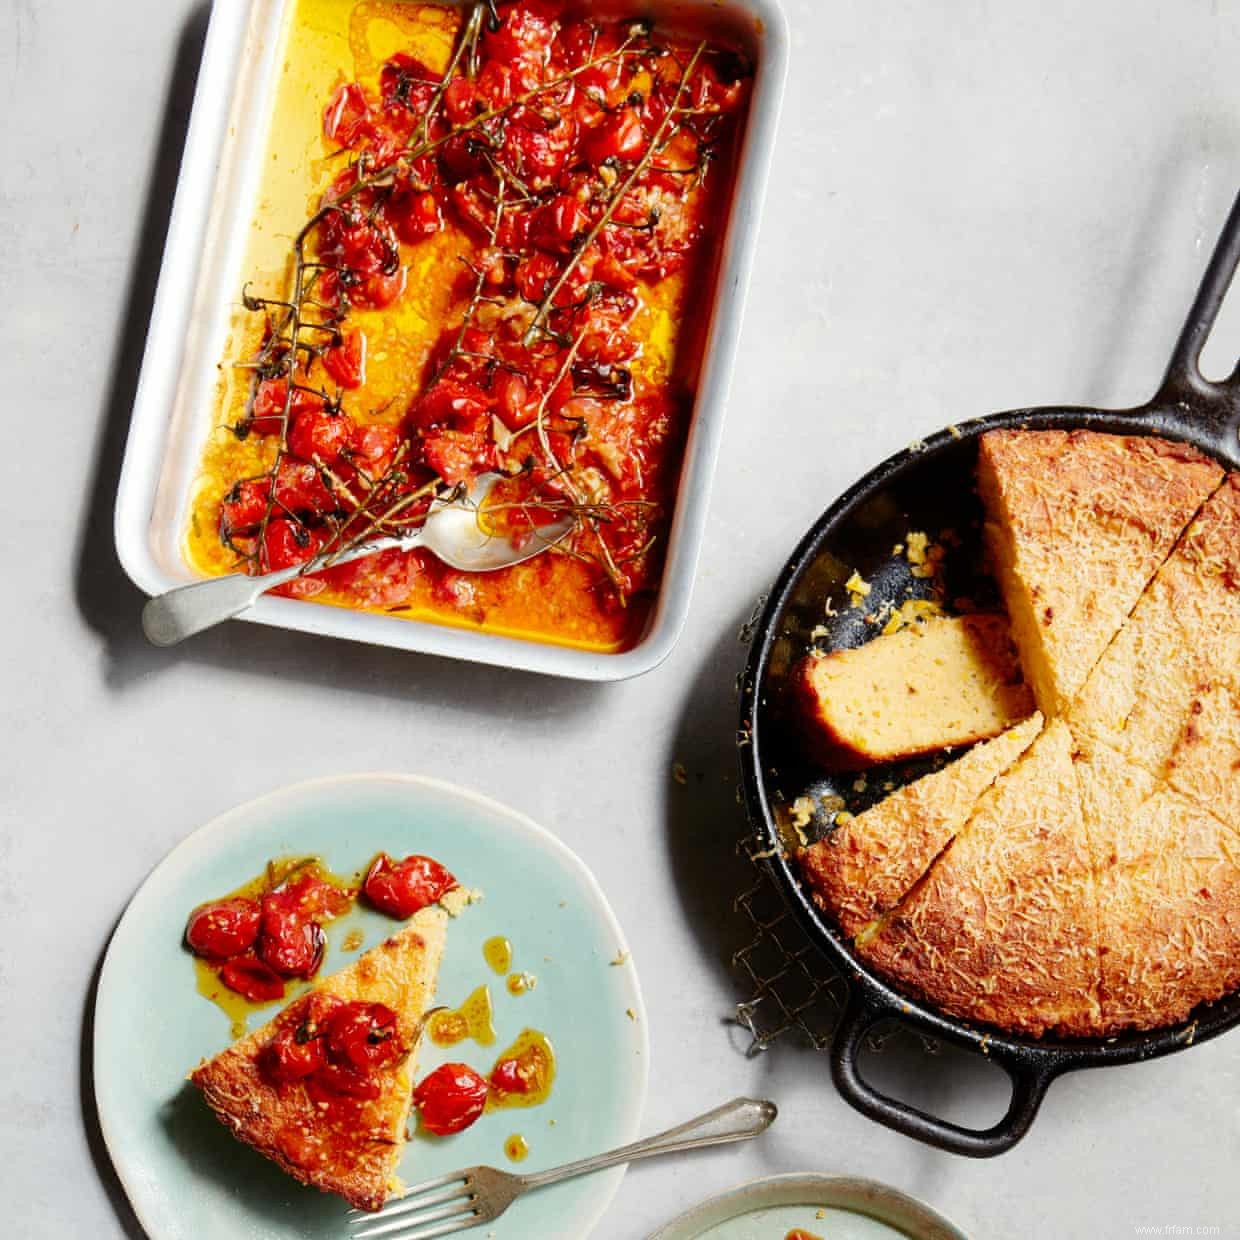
(1093, 886)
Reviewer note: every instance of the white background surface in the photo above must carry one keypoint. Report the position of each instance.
(975, 205)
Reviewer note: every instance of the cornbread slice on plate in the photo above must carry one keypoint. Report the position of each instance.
(342, 1144)
(867, 864)
(1165, 692)
(1077, 522)
(1003, 928)
(1168, 876)
(942, 681)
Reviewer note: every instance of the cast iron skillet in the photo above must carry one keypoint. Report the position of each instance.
(929, 487)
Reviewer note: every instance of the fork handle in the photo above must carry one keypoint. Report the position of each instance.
(738, 1120)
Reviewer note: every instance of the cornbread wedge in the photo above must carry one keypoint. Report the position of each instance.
(942, 681)
(1165, 692)
(1168, 876)
(345, 1145)
(866, 865)
(1077, 522)
(1003, 928)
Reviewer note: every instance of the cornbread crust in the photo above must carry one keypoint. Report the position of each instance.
(1003, 928)
(867, 865)
(356, 1161)
(1168, 876)
(1165, 692)
(1077, 524)
(943, 681)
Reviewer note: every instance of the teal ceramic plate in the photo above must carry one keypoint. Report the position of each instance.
(831, 1206)
(188, 1178)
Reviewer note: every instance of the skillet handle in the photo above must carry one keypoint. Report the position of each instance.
(1184, 382)
(1029, 1086)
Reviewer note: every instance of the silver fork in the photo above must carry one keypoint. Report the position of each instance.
(480, 1194)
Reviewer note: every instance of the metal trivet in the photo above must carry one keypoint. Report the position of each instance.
(793, 987)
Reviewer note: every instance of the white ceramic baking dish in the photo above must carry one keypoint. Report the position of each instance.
(198, 285)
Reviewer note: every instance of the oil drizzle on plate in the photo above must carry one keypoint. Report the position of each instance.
(516, 1148)
(519, 983)
(497, 952)
(533, 1059)
(473, 1019)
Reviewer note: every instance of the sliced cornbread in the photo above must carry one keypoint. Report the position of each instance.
(1205, 759)
(1165, 692)
(1003, 928)
(867, 864)
(1168, 880)
(942, 681)
(1077, 522)
(333, 1139)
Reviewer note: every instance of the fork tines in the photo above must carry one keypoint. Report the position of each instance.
(434, 1208)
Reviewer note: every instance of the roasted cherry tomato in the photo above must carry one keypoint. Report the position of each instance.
(450, 1099)
(620, 136)
(457, 456)
(346, 362)
(364, 1035)
(371, 448)
(401, 889)
(270, 399)
(288, 543)
(291, 943)
(294, 1053)
(244, 505)
(225, 928)
(346, 119)
(311, 896)
(321, 435)
(300, 488)
(337, 1080)
(252, 979)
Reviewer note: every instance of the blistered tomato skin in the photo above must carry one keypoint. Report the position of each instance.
(291, 943)
(450, 1099)
(294, 1054)
(400, 889)
(252, 979)
(364, 1035)
(223, 929)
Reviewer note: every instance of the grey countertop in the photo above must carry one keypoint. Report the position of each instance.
(976, 204)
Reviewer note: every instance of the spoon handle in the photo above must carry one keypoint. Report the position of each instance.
(171, 617)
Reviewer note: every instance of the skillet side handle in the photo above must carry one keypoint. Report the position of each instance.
(1029, 1086)
(1184, 380)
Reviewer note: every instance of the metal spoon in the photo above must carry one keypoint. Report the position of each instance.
(451, 531)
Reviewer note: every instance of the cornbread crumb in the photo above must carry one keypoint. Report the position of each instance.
(858, 589)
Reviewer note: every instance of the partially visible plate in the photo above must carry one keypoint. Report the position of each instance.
(833, 1207)
(184, 1173)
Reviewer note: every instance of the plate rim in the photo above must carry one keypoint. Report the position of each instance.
(752, 1194)
(205, 834)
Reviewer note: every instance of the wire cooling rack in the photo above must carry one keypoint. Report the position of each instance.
(792, 988)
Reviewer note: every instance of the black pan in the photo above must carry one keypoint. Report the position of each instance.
(929, 487)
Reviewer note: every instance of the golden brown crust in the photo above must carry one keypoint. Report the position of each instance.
(1168, 878)
(941, 682)
(1165, 693)
(867, 864)
(1003, 929)
(1077, 524)
(353, 1153)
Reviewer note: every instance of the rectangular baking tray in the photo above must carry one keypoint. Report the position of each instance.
(199, 281)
